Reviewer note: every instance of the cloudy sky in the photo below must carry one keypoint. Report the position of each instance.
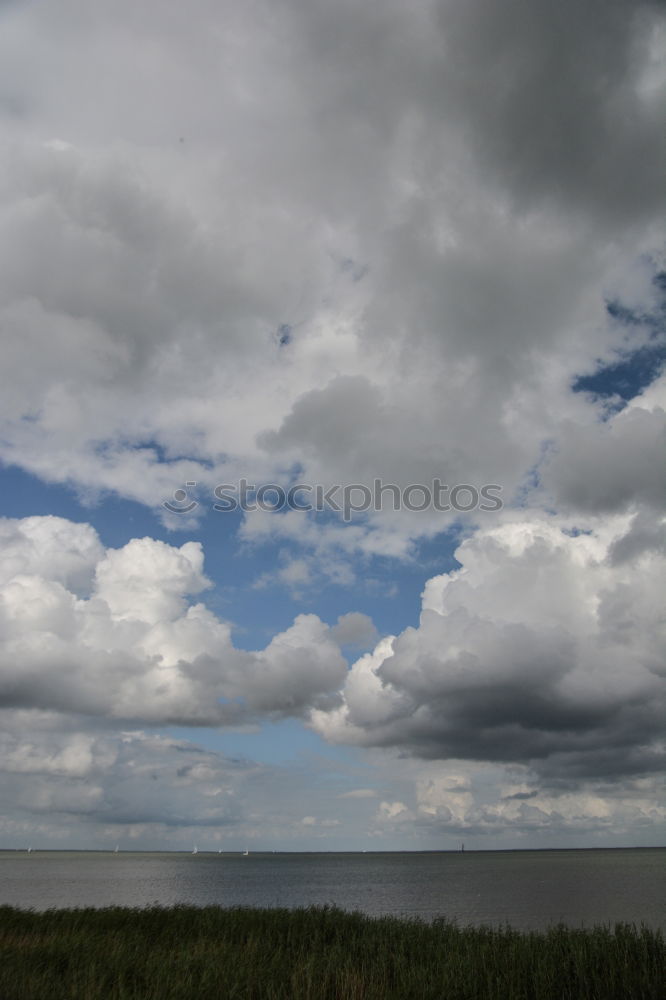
(329, 243)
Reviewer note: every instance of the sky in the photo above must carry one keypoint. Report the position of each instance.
(332, 245)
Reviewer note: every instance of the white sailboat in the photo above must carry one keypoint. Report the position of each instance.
(246, 854)
(196, 850)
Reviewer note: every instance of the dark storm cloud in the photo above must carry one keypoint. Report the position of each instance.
(540, 650)
(548, 93)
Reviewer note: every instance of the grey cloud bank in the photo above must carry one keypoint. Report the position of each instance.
(476, 162)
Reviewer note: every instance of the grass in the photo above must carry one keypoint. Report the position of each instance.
(188, 953)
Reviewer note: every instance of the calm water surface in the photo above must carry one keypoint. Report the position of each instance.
(528, 889)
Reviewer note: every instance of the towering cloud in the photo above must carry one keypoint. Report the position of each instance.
(541, 650)
(131, 646)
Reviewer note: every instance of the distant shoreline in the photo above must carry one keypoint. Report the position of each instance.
(271, 853)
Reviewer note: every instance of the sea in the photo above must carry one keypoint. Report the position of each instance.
(529, 890)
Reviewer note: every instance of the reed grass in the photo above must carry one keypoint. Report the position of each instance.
(190, 953)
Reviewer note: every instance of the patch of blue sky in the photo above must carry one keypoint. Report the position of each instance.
(523, 495)
(626, 377)
(116, 520)
(635, 366)
(386, 589)
(166, 455)
(353, 269)
(268, 743)
(576, 532)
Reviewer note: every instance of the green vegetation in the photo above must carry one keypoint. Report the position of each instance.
(187, 953)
